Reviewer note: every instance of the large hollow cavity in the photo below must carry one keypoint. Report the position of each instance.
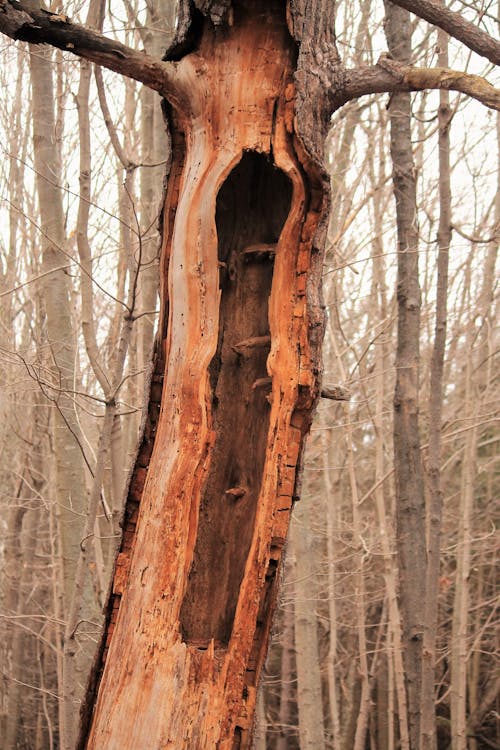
(252, 206)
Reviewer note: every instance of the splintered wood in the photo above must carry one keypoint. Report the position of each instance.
(210, 498)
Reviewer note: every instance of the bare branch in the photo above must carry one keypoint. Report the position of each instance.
(336, 393)
(456, 25)
(390, 76)
(108, 120)
(20, 22)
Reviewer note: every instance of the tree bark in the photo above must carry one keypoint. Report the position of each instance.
(26, 540)
(456, 26)
(241, 209)
(428, 737)
(392, 76)
(479, 349)
(309, 694)
(284, 737)
(236, 372)
(155, 153)
(70, 477)
(410, 500)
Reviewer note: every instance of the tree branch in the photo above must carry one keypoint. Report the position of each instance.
(20, 22)
(453, 23)
(390, 76)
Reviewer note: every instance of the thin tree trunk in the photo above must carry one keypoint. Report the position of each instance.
(474, 672)
(382, 499)
(479, 349)
(259, 741)
(84, 249)
(359, 585)
(309, 694)
(459, 633)
(286, 676)
(410, 500)
(122, 334)
(331, 511)
(155, 150)
(428, 738)
(13, 505)
(359, 597)
(385, 727)
(353, 688)
(70, 487)
(18, 657)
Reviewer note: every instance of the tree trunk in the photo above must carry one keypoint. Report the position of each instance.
(195, 580)
(410, 499)
(238, 354)
(332, 515)
(479, 348)
(284, 738)
(305, 572)
(160, 21)
(428, 738)
(70, 478)
(19, 645)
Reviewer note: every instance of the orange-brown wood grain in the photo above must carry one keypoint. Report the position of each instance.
(196, 577)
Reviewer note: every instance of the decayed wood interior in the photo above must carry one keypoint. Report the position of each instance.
(211, 494)
(252, 206)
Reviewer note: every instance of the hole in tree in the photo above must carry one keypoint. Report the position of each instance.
(252, 206)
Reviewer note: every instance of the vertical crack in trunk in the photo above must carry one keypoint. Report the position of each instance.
(252, 206)
(196, 578)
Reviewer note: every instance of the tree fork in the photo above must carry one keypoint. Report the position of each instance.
(211, 493)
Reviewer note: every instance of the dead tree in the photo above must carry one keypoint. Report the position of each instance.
(249, 90)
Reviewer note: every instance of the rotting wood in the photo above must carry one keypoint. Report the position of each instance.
(263, 383)
(255, 342)
(236, 493)
(209, 505)
(258, 252)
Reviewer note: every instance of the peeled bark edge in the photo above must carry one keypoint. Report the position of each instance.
(308, 395)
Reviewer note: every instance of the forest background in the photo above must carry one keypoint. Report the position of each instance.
(334, 676)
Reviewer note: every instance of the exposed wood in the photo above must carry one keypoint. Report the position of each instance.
(246, 346)
(258, 252)
(212, 508)
(235, 493)
(238, 355)
(262, 383)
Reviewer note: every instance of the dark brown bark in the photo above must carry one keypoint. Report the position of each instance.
(410, 500)
(391, 76)
(320, 72)
(435, 494)
(456, 26)
(19, 21)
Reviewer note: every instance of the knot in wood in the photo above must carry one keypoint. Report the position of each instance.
(235, 493)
